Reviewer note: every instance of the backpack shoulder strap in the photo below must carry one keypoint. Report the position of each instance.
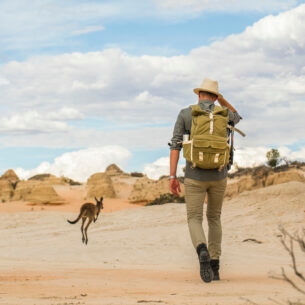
(221, 110)
(218, 108)
(196, 110)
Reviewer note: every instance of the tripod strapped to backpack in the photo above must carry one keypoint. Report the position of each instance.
(230, 130)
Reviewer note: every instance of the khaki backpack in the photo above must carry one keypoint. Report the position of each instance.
(208, 146)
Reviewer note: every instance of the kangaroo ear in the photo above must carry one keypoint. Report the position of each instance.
(101, 199)
(95, 199)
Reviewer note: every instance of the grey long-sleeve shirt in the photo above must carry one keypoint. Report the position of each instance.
(183, 125)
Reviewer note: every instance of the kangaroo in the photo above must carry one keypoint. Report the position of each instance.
(90, 211)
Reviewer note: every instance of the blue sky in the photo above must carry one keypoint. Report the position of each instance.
(88, 83)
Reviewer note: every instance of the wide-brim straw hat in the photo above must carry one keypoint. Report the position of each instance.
(208, 85)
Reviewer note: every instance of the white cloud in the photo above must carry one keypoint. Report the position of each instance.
(52, 23)
(278, 32)
(296, 155)
(42, 23)
(88, 29)
(30, 122)
(80, 165)
(250, 156)
(65, 113)
(161, 167)
(98, 83)
(261, 71)
(259, 77)
(3, 81)
(188, 6)
(35, 122)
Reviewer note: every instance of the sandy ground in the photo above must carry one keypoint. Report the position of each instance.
(143, 255)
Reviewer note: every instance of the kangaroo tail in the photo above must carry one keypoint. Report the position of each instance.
(76, 220)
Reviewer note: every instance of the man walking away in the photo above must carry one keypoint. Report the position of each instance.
(200, 182)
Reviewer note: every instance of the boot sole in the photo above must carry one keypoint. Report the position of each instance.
(206, 272)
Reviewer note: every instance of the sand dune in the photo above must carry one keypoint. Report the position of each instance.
(139, 255)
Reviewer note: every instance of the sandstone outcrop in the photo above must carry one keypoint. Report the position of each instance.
(261, 178)
(114, 183)
(39, 190)
(8, 182)
(36, 192)
(283, 177)
(6, 190)
(100, 185)
(114, 170)
(146, 190)
(48, 178)
(10, 175)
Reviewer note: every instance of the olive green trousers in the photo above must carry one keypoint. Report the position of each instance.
(195, 192)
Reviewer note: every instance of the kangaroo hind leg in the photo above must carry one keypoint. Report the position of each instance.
(86, 228)
(82, 229)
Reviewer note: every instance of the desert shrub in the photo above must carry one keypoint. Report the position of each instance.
(70, 181)
(263, 170)
(40, 177)
(253, 171)
(297, 164)
(167, 198)
(136, 174)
